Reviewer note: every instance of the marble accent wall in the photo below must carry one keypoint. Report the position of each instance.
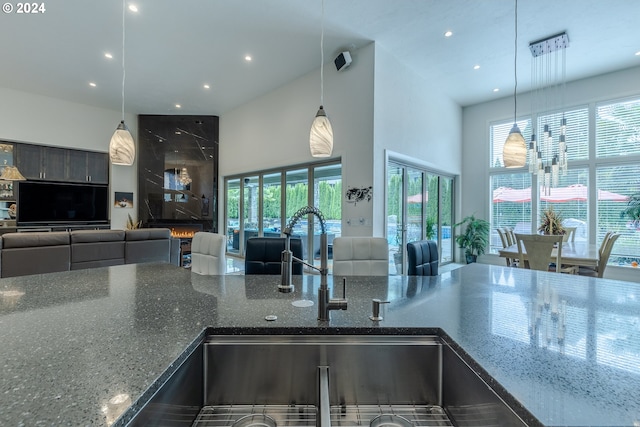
(178, 170)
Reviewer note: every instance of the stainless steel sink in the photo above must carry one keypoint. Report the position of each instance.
(323, 381)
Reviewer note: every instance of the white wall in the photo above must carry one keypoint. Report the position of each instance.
(273, 130)
(35, 119)
(475, 132)
(400, 111)
(413, 121)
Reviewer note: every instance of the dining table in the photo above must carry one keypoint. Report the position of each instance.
(581, 254)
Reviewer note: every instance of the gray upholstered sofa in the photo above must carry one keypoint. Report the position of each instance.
(47, 252)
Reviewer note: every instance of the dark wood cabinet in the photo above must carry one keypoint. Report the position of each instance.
(29, 160)
(54, 163)
(41, 162)
(98, 167)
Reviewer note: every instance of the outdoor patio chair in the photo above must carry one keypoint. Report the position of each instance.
(570, 234)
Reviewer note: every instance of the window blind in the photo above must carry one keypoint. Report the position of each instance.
(618, 128)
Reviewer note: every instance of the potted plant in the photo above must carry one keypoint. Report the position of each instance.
(632, 211)
(430, 228)
(131, 224)
(397, 256)
(475, 237)
(551, 222)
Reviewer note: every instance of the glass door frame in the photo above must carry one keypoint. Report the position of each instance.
(403, 222)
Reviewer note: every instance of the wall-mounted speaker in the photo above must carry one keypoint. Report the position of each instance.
(343, 60)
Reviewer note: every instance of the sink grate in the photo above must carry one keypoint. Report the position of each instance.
(362, 415)
(305, 416)
(283, 415)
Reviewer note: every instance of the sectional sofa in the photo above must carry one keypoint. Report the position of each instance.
(47, 252)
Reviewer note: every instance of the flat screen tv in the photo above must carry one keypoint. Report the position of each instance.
(43, 203)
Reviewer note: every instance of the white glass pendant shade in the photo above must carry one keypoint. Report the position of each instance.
(321, 135)
(122, 148)
(514, 152)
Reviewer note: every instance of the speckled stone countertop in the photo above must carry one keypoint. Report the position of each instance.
(566, 348)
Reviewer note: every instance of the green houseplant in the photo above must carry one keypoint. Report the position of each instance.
(474, 238)
(551, 222)
(632, 211)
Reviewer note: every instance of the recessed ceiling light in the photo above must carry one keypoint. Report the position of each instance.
(476, 67)
(178, 132)
(206, 86)
(247, 58)
(108, 55)
(497, 89)
(92, 84)
(638, 53)
(133, 7)
(448, 33)
(178, 106)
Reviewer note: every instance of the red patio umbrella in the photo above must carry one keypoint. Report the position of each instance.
(508, 194)
(417, 198)
(576, 192)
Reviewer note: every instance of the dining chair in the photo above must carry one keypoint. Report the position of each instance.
(603, 257)
(502, 232)
(538, 249)
(511, 240)
(570, 234)
(422, 258)
(264, 255)
(360, 256)
(208, 253)
(511, 235)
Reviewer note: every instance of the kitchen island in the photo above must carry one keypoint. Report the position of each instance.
(565, 348)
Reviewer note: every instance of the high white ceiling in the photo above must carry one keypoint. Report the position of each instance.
(173, 47)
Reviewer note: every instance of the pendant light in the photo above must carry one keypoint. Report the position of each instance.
(321, 135)
(122, 148)
(514, 151)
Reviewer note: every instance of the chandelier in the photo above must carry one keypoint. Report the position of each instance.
(548, 151)
(183, 177)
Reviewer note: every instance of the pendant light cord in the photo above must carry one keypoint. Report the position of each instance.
(123, 69)
(515, 67)
(322, 56)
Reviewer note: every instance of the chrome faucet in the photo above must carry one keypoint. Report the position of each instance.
(325, 304)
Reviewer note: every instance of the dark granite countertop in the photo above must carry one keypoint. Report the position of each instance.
(566, 348)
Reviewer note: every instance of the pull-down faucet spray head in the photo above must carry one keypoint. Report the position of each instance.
(287, 258)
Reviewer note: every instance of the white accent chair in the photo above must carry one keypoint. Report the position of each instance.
(208, 253)
(360, 256)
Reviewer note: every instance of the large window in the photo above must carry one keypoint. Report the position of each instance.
(261, 203)
(604, 171)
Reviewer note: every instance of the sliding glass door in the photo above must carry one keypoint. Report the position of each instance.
(419, 206)
(261, 204)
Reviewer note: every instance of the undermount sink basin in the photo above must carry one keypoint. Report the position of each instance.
(324, 381)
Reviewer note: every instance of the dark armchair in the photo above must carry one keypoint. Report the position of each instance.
(263, 255)
(423, 258)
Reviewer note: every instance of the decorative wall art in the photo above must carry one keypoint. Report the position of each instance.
(123, 200)
(355, 195)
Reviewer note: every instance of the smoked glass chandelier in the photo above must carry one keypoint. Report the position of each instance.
(548, 151)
